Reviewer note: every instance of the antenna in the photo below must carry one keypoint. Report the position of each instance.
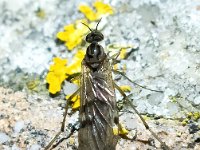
(98, 23)
(87, 26)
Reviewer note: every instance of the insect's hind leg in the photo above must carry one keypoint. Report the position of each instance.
(115, 61)
(73, 129)
(63, 122)
(121, 132)
(126, 99)
(144, 87)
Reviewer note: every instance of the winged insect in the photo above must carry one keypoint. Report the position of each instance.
(98, 112)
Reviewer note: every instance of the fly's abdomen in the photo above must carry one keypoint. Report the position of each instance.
(96, 132)
(97, 113)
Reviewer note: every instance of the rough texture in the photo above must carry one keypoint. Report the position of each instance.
(40, 120)
(165, 36)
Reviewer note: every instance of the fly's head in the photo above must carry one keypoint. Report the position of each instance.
(95, 54)
(94, 36)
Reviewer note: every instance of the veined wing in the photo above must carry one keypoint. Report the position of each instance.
(98, 109)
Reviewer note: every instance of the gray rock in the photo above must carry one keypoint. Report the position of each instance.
(35, 147)
(4, 138)
(19, 126)
(69, 88)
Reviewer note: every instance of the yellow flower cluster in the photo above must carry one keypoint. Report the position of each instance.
(59, 71)
(120, 131)
(101, 10)
(73, 33)
(56, 75)
(125, 88)
(191, 116)
(75, 101)
(75, 65)
(72, 36)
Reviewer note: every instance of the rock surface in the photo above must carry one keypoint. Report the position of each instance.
(42, 120)
(165, 38)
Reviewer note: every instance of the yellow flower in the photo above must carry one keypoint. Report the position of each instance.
(102, 9)
(196, 115)
(40, 13)
(76, 104)
(123, 131)
(88, 12)
(73, 34)
(185, 122)
(115, 130)
(115, 67)
(75, 65)
(59, 70)
(56, 75)
(75, 101)
(122, 54)
(125, 88)
(120, 131)
(193, 115)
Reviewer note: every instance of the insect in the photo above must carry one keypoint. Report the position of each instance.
(98, 111)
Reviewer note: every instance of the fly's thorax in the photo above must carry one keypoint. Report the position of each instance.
(95, 56)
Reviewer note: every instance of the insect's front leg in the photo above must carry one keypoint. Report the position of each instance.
(72, 77)
(126, 99)
(63, 122)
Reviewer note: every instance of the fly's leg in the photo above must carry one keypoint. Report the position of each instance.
(120, 127)
(115, 61)
(73, 129)
(63, 122)
(114, 57)
(144, 87)
(74, 76)
(126, 99)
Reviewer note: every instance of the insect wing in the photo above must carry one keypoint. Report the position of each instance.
(98, 109)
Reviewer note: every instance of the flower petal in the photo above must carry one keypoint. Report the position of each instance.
(125, 88)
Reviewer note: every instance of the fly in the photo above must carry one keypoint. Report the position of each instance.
(98, 112)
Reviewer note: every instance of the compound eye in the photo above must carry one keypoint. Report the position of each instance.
(89, 38)
(98, 38)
